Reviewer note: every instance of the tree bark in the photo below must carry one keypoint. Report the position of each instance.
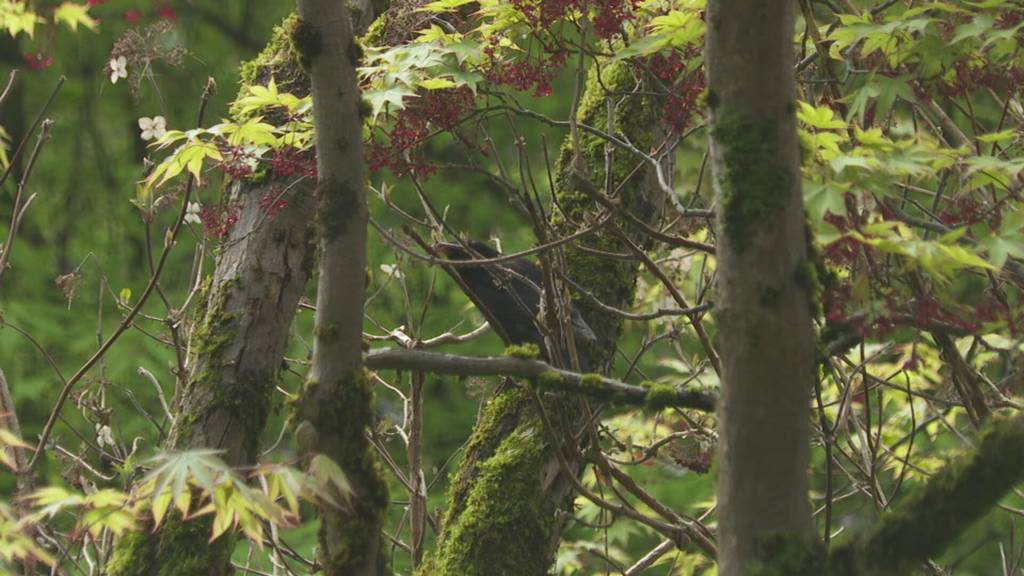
(336, 405)
(764, 284)
(237, 341)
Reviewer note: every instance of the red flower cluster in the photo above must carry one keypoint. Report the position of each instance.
(1009, 19)
(166, 13)
(920, 313)
(683, 88)
(695, 460)
(969, 76)
(39, 60)
(237, 161)
(542, 14)
(608, 17)
(134, 15)
(842, 252)
(531, 72)
(966, 211)
(289, 161)
(434, 110)
(219, 220)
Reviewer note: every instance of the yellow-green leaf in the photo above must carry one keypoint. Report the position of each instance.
(73, 15)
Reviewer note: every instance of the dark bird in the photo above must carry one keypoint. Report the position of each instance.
(508, 294)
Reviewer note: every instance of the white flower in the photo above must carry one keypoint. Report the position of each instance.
(391, 270)
(104, 436)
(154, 127)
(118, 68)
(192, 213)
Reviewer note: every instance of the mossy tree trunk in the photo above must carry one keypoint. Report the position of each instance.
(764, 289)
(336, 406)
(922, 524)
(238, 339)
(504, 503)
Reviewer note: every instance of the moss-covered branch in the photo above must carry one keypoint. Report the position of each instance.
(546, 376)
(924, 523)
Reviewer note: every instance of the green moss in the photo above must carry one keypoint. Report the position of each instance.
(202, 295)
(550, 380)
(339, 414)
(327, 333)
(178, 548)
(503, 529)
(306, 41)
(660, 396)
(636, 119)
(497, 420)
(214, 387)
(209, 390)
(355, 53)
(278, 60)
(213, 331)
(754, 187)
(593, 387)
(339, 205)
(526, 351)
(185, 548)
(133, 555)
(375, 32)
(807, 280)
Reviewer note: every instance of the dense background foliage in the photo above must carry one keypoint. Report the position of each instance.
(910, 123)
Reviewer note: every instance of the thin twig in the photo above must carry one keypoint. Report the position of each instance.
(35, 124)
(127, 321)
(18, 213)
(649, 558)
(10, 84)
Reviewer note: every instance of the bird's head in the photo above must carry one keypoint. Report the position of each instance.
(468, 251)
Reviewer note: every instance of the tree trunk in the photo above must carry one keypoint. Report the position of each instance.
(336, 408)
(764, 285)
(237, 341)
(505, 502)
